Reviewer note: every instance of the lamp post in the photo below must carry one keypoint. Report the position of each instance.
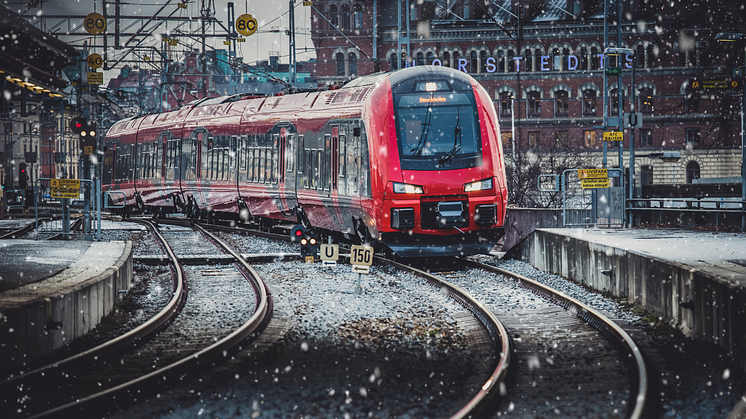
(733, 37)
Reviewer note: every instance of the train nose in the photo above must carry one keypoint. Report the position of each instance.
(449, 214)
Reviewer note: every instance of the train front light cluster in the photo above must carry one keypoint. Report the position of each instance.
(408, 188)
(480, 185)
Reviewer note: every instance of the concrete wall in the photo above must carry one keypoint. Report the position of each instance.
(521, 222)
(699, 303)
(45, 324)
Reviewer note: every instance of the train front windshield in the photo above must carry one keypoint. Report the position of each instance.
(437, 128)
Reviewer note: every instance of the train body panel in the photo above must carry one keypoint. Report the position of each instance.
(411, 159)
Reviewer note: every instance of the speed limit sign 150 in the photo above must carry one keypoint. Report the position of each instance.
(246, 25)
(94, 23)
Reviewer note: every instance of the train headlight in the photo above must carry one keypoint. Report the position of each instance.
(408, 188)
(480, 185)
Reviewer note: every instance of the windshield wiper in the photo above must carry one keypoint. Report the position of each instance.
(456, 142)
(417, 150)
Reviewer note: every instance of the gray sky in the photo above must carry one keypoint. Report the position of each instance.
(268, 13)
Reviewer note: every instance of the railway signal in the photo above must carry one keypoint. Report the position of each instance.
(22, 176)
(309, 246)
(88, 138)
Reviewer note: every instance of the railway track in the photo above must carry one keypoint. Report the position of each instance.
(569, 358)
(140, 362)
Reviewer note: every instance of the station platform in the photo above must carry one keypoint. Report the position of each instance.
(694, 280)
(52, 292)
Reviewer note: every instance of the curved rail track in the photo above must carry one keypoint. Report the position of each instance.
(53, 390)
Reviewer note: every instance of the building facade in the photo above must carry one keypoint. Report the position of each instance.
(546, 72)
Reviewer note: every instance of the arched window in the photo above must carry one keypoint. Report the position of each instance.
(506, 103)
(652, 56)
(566, 58)
(640, 56)
(594, 58)
(430, 58)
(393, 62)
(345, 16)
(692, 171)
(358, 16)
(420, 58)
(529, 61)
(556, 60)
(613, 102)
(537, 54)
(352, 59)
(483, 61)
(500, 61)
(333, 16)
(584, 58)
(446, 59)
(561, 102)
(340, 64)
(456, 56)
(589, 102)
(646, 100)
(511, 61)
(534, 104)
(473, 63)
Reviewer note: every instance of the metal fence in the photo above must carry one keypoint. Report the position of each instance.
(592, 206)
(56, 217)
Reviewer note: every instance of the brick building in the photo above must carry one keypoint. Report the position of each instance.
(547, 72)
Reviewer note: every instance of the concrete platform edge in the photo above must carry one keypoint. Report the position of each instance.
(36, 328)
(700, 304)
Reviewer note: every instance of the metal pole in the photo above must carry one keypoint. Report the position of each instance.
(630, 216)
(291, 34)
(743, 153)
(398, 35)
(619, 88)
(606, 79)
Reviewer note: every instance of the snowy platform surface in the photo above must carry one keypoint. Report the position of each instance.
(721, 254)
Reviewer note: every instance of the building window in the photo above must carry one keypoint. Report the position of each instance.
(507, 139)
(446, 59)
(333, 16)
(456, 55)
(430, 58)
(640, 56)
(393, 62)
(473, 63)
(590, 138)
(528, 61)
(646, 100)
(534, 104)
(594, 58)
(691, 103)
(538, 53)
(561, 137)
(584, 58)
(692, 171)
(483, 62)
(646, 175)
(340, 64)
(556, 60)
(420, 58)
(692, 136)
(533, 139)
(345, 16)
(506, 103)
(589, 102)
(353, 63)
(613, 102)
(511, 61)
(500, 61)
(561, 102)
(358, 13)
(652, 56)
(646, 137)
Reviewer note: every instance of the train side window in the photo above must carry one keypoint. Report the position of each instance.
(326, 163)
(290, 153)
(300, 153)
(342, 155)
(261, 176)
(308, 169)
(225, 163)
(255, 168)
(275, 164)
(243, 153)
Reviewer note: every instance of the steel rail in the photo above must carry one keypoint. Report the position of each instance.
(176, 369)
(40, 375)
(21, 231)
(597, 320)
(499, 334)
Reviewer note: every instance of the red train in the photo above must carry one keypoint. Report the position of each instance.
(410, 159)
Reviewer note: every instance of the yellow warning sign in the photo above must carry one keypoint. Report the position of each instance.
(64, 193)
(65, 183)
(594, 183)
(613, 136)
(592, 173)
(95, 78)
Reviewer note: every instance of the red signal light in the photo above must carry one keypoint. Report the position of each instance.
(298, 233)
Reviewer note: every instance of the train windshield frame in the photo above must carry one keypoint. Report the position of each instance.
(437, 126)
